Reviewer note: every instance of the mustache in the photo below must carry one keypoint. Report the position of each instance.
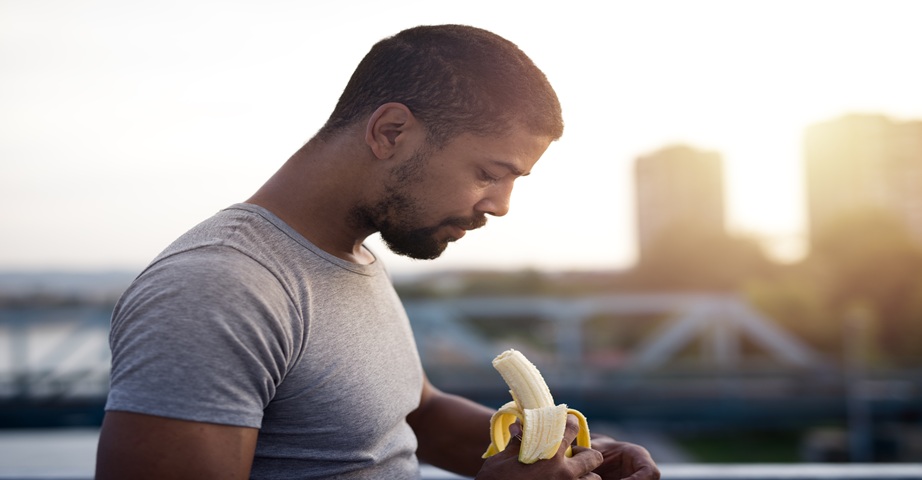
(467, 223)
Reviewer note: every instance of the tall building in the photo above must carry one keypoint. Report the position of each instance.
(863, 162)
(678, 186)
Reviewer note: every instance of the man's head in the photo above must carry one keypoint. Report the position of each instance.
(400, 216)
(433, 196)
(454, 79)
(454, 114)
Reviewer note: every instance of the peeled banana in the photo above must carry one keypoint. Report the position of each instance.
(543, 423)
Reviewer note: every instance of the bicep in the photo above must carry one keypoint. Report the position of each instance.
(139, 446)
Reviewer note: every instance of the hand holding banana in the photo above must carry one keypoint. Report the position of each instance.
(542, 422)
(544, 430)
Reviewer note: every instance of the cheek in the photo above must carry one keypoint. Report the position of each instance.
(460, 201)
(451, 195)
(444, 195)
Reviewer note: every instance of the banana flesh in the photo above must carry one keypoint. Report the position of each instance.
(543, 422)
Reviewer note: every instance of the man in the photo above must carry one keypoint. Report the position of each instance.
(268, 342)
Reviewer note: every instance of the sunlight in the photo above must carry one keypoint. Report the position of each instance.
(109, 101)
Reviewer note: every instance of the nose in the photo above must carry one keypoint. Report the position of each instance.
(496, 200)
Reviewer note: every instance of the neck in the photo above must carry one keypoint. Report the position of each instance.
(315, 191)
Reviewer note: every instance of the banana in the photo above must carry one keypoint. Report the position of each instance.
(543, 423)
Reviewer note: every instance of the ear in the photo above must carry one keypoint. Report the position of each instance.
(388, 128)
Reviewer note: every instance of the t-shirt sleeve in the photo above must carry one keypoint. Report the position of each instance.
(205, 335)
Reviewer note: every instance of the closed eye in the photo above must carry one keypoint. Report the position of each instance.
(487, 177)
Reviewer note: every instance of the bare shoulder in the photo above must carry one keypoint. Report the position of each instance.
(133, 445)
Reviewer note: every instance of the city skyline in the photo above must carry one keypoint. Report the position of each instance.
(856, 164)
(681, 187)
(125, 124)
(864, 163)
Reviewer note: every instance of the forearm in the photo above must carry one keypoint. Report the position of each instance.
(453, 432)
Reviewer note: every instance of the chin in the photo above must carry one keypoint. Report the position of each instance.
(415, 252)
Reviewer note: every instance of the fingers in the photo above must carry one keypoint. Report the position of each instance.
(515, 442)
(642, 461)
(586, 459)
(624, 460)
(569, 433)
(645, 473)
(579, 466)
(515, 430)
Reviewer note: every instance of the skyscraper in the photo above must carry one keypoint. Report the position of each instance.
(864, 162)
(678, 187)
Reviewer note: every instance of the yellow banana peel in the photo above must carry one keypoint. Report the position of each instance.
(543, 423)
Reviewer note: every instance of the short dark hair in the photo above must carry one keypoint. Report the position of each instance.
(455, 79)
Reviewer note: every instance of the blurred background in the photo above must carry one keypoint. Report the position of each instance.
(721, 259)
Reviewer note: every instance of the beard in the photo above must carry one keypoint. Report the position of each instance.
(394, 216)
(422, 243)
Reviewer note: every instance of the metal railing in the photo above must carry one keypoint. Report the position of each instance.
(811, 471)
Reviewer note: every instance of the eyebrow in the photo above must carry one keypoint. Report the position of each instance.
(512, 168)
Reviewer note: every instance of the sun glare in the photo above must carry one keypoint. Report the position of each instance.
(245, 86)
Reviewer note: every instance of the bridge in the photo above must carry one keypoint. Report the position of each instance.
(747, 373)
(56, 353)
(746, 370)
(722, 321)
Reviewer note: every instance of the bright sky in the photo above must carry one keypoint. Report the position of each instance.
(123, 123)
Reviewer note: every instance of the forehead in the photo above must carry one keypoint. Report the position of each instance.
(517, 151)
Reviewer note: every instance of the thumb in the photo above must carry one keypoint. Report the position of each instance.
(515, 439)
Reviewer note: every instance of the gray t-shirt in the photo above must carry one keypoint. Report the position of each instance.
(242, 321)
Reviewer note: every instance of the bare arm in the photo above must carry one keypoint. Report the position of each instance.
(453, 434)
(137, 446)
(453, 431)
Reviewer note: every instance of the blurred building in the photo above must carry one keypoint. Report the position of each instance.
(863, 162)
(678, 186)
